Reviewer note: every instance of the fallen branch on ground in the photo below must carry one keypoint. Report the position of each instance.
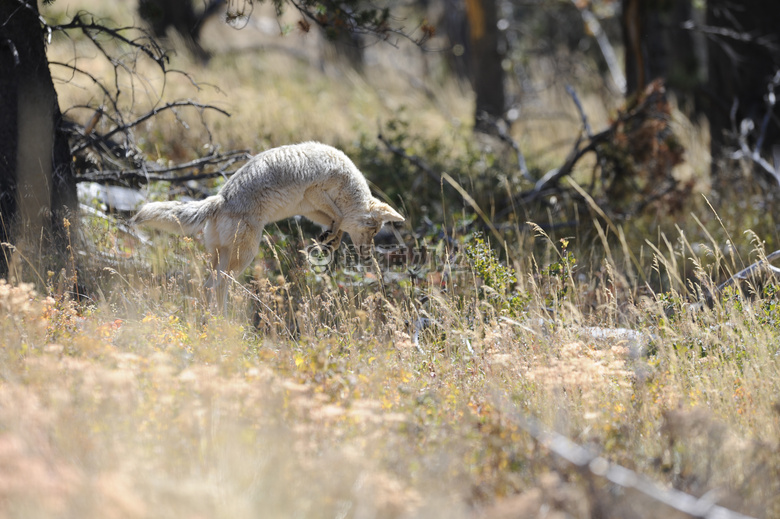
(742, 275)
(593, 465)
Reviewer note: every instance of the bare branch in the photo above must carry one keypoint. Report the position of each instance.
(414, 159)
(593, 465)
(14, 51)
(747, 126)
(155, 111)
(142, 175)
(145, 43)
(500, 130)
(581, 110)
(767, 41)
(763, 263)
(593, 25)
(76, 70)
(378, 26)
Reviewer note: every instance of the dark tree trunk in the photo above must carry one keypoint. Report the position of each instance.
(740, 70)
(179, 15)
(657, 45)
(36, 175)
(455, 24)
(487, 57)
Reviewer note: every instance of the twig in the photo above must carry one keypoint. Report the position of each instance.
(145, 43)
(767, 41)
(581, 110)
(142, 175)
(155, 111)
(502, 134)
(771, 99)
(350, 22)
(74, 69)
(14, 51)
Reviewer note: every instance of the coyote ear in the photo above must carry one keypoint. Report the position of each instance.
(385, 213)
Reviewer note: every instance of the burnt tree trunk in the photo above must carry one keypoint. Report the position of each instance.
(36, 175)
(658, 46)
(456, 27)
(180, 16)
(744, 55)
(487, 57)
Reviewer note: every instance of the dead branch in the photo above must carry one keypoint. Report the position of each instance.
(763, 263)
(414, 159)
(593, 465)
(144, 43)
(76, 70)
(613, 64)
(767, 40)
(747, 126)
(583, 117)
(583, 145)
(362, 21)
(143, 175)
(113, 156)
(742, 275)
(123, 128)
(500, 130)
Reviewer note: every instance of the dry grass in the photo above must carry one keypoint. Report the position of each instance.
(340, 403)
(147, 406)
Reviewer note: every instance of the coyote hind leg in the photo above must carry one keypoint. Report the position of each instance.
(232, 260)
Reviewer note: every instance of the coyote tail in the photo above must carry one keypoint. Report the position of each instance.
(177, 217)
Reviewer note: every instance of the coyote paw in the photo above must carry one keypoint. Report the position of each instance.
(331, 239)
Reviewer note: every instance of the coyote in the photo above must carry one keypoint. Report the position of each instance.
(310, 179)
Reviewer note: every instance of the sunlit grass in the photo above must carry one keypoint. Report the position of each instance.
(147, 403)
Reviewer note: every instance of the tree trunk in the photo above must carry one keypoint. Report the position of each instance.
(36, 175)
(180, 16)
(741, 68)
(488, 72)
(455, 24)
(657, 45)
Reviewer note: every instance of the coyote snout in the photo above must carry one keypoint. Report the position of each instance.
(310, 179)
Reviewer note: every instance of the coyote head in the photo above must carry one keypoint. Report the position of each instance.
(364, 228)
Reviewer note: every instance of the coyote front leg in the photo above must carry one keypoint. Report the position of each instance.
(331, 239)
(326, 212)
